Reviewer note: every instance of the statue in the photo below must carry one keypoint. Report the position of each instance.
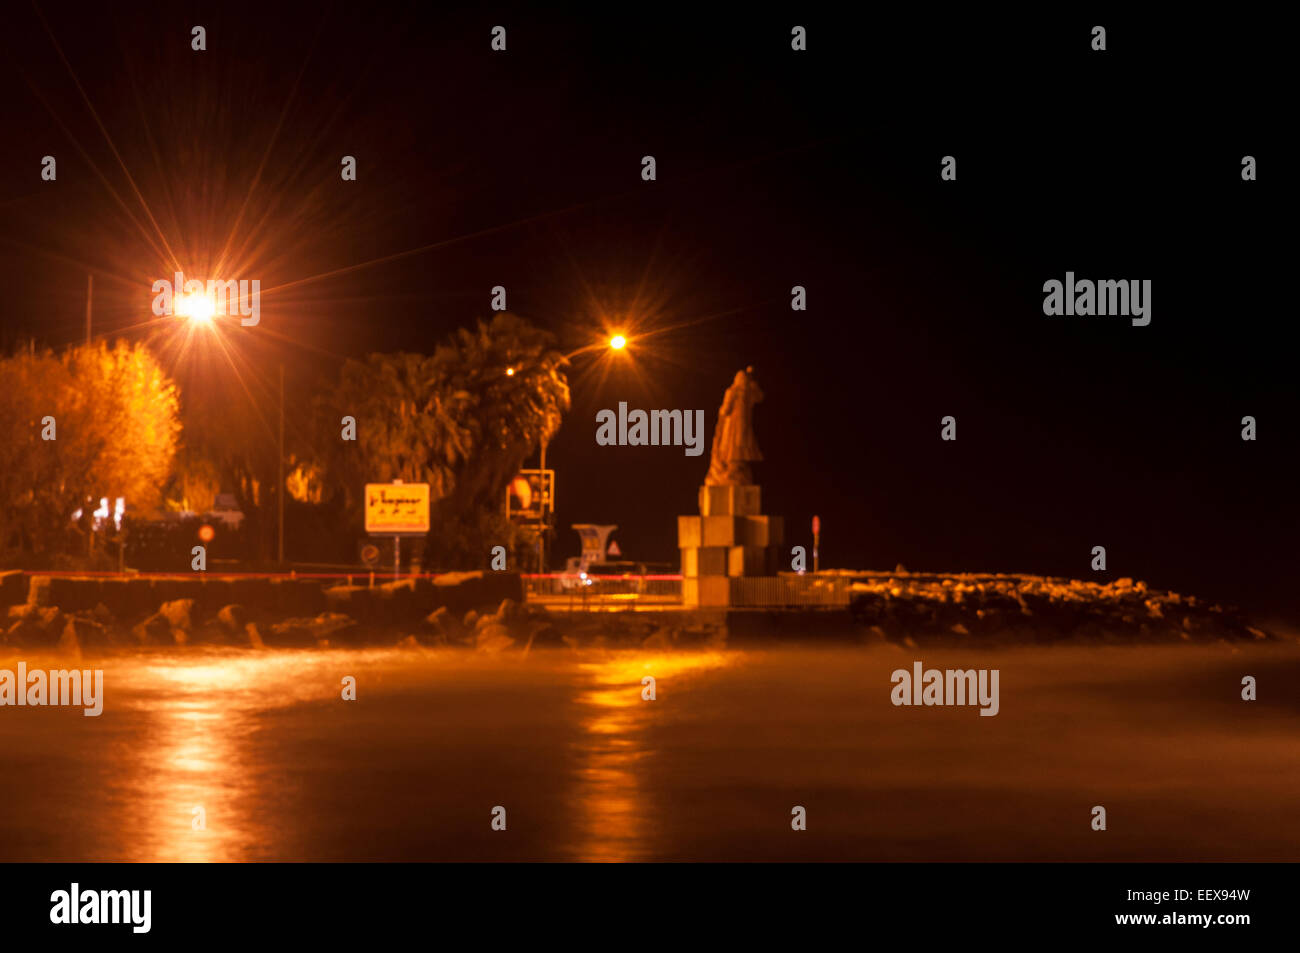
(734, 446)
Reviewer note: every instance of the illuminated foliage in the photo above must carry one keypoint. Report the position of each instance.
(115, 414)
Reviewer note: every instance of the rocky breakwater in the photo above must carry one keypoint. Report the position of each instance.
(1017, 609)
(72, 614)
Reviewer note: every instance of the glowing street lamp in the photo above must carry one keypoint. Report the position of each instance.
(197, 307)
(617, 342)
(201, 309)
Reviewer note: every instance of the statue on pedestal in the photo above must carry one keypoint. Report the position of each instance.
(734, 446)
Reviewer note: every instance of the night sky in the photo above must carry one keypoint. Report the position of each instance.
(775, 169)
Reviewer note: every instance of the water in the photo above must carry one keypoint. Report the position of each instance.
(284, 769)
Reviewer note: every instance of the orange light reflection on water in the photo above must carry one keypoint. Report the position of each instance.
(203, 714)
(614, 813)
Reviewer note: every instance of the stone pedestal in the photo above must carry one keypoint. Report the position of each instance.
(729, 539)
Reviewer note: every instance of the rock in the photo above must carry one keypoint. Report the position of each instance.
(441, 629)
(155, 630)
(492, 637)
(334, 621)
(30, 633)
(291, 633)
(177, 613)
(321, 628)
(224, 628)
(86, 632)
(233, 618)
(51, 619)
(335, 625)
(40, 627)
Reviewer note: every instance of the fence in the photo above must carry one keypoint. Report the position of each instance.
(792, 589)
(588, 591)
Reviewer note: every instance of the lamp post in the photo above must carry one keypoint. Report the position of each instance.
(279, 487)
(617, 342)
(201, 310)
(541, 537)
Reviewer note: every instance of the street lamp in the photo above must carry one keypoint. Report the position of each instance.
(201, 309)
(618, 342)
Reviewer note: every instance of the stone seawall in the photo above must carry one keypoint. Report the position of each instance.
(129, 598)
(75, 611)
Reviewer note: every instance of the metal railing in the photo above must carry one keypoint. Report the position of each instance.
(591, 591)
(586, 591)
(792, 589)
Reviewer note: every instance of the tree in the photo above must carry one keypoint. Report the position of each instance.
(115, 429)
(462, 420)
(29, 475)
(518, 396)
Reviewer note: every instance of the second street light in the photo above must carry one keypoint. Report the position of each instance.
(616, 342)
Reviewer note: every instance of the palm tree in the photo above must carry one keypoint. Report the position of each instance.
(463, 420)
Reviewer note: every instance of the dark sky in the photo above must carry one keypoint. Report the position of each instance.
(775, 168)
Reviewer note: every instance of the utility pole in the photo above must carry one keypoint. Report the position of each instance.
(279, 493)
(90, 523)
(541, 536)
